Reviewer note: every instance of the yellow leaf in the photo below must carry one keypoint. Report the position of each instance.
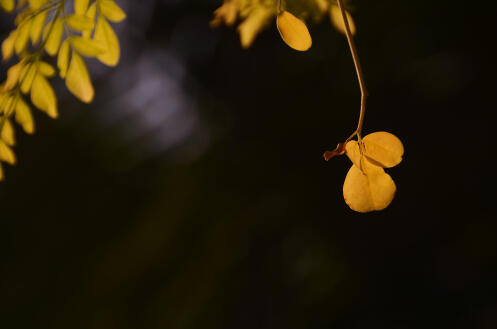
(6, 103)
(53, 41)
(35, 4)
(367, 192)
(226, 13)
(63, 59)
(37, 27)
(79, 22)
(86, 47)
(91, 14)
(46, 69)
(7, 5)
(43, 96)
(28, 74)
(22, 36)
(293, 31)
(13, 74)
(383, 149)
(8, 134)
(6, 154)
(112, 11)
(107, 40)
(8, 45)
(353, 152)
(78, 80)
(24, 116)
(337, 20)
(252, 25)
(80, 6)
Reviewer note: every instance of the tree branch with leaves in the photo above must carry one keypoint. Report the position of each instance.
(44, 27)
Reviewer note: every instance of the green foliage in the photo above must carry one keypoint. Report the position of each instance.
(44, 26)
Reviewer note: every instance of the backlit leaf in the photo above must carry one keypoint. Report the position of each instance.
(383, 148)
(107, 40)
(78, 80)
(337, 20)
(6, 103)
(252, 25)
(86, 47)
(8, 135)
(79, 22)
(226, 13)
(6, 154)
(368, 192)
(91, 13)
(28, 74)
(111, 11)
(53, 41)
(80, 6)
(22, 36)
(13, 74)
(46, 69)
(7, 5)
(293, 31)
(63, 59)
(37, 26)
(24, 116)
(43, 96)
(8, 45)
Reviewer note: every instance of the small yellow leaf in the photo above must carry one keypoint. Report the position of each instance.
(63, 59)
(293, 31)
(86, 47)
(6, 154)
(8, 45)
(112, 11)
(91, 14)
(35, 4)
(6, 103)
(226, 13)
(383, 149)
(252, 25)
(353, 152)
(46, 69)
(78, 80)
(8, 134)
(22, 36)
(53, 41)
(28, 74)
(24, 116)
(7, 5)
(367, 192)
(79, 22)
(37, 27)
(13, 74)
(337, 20)
(43, 96)
(107, 40)
(80, 6)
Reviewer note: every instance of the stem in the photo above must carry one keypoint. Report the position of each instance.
(358, 68)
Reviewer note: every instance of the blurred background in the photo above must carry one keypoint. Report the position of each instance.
(193, 194)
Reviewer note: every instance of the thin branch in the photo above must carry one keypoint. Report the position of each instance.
(358, 68)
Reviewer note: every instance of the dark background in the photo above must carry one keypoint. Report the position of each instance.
(192, 192)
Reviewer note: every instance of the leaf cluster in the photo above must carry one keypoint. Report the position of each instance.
(254, 15)
(47, 27)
